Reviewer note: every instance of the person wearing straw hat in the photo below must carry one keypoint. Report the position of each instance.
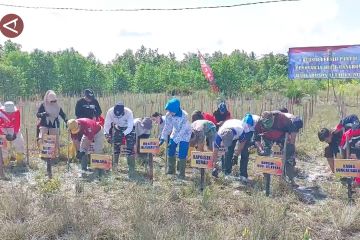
(119, 123)
(48, 113)
(91, 131)
(10, 127)
(178, 126)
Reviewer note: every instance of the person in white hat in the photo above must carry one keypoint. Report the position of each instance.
(10, 127)
(48, 113)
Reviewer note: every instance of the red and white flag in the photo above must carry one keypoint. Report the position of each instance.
(208, 73)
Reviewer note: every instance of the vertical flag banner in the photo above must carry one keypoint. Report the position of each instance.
(208, 73)
(327, 62)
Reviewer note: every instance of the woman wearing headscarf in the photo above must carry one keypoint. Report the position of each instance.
(48, 113)
(178, 126)
(221, 115)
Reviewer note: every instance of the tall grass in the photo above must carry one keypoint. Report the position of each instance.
(70, 208)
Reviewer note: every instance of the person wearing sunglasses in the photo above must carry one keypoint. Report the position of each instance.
(48, 114)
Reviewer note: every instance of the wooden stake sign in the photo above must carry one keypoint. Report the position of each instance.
(100, 161)
(149, 145)
(347, 167)
(268, 165)
(201, 159)
(48, 149)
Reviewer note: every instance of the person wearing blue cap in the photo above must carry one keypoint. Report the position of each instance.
(119, 122)
(178, 126)
(221, 115)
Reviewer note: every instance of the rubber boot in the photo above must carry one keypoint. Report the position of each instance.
(171, 165)
(115, 162)
(131, 165)
(84, 162)
(182, 166)
(19, 158)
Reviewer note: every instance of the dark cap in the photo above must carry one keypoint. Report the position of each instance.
(119, 109)
(89, 93)
(156, 114)
(323, 134)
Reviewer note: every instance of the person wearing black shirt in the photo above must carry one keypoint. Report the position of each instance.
(88, 106)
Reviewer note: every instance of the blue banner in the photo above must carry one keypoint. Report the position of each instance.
(335, 62)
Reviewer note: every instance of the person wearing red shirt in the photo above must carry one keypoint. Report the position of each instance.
(198, 115)
(221, 115)
(272, 128)
(91, 132)
(209, 117)
(10, 127)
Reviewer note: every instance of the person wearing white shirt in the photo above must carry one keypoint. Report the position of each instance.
(249, 122)
(178, 126)
(229, 135)
(119, 123)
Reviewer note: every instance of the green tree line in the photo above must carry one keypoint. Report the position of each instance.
(143, 71)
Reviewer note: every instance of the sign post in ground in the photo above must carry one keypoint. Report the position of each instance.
(150, 146)
(202, 160)
(268, 166)
(48, 151)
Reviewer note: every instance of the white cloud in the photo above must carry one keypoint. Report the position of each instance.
(259, 28)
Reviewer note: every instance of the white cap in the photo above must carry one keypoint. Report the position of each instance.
(9, 107)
